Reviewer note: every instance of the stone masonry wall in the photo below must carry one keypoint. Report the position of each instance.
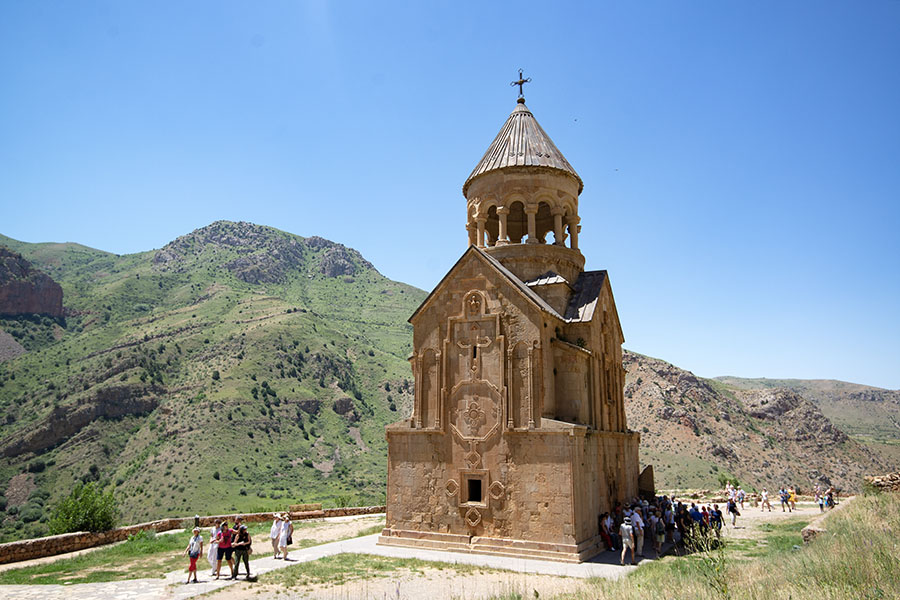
(70, 542)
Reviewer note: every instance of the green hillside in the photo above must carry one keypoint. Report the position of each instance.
(237, 368)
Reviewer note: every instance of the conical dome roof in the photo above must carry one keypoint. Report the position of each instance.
(522, 143)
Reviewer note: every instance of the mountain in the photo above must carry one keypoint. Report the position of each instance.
(245, 368)
(237, 368)
(868, 414)
(24, 290)
(695, 429)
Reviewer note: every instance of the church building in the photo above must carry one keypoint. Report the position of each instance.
(518, 440)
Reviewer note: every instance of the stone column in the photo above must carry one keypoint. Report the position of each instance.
(502, 238)
(472, 231)
(531, 212)
(558, 232)
(573, 231)
(480, 231)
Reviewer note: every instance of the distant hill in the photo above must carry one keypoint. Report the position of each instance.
(694, 429)
(239, 367)
(868, 414)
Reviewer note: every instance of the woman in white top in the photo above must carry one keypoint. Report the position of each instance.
(275, 533)
(287, 528)
(213, 555)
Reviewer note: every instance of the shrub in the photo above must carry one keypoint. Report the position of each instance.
(36, 466)
(86, 508)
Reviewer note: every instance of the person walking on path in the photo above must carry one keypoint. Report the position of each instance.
(784, 499)
(627, 534)
(225, 549)
(275, 533)
(193, 550)
(284, 538)
(242, 548)
(740, 496)
(213, 555)
(732, 508)
(792, 498)
(764, 501)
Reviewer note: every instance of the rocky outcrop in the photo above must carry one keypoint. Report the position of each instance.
(24, 290)
(63, 422)
(765, 438)
(9, 347)
(345, 408)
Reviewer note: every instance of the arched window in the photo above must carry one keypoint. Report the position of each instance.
(492, 227)
(516, 223)
(543, 222)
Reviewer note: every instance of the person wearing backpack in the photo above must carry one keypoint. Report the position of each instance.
(659, 532)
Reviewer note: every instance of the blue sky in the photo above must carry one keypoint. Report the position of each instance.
(741, 160)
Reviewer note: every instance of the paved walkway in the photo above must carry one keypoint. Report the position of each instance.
(173, 586)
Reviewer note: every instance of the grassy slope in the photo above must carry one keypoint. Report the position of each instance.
(212, 444)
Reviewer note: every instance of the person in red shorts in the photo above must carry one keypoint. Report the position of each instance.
(193, 551)
(225, 550)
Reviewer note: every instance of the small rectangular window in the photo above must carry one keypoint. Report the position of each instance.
(474, 490)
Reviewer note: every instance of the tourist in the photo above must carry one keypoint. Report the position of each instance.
(792, 498)
(659, 531)
(242, 549)
(225, 550)
(733, 510)
(716, 519)
(626, 532)
(613, 536)
(284, 537)
(213, 555)
(274, 532)
(604, 532)
(740, 496)
(637, 524)
(764, 497)
(193, 550)
(669, 518)
(783, 494)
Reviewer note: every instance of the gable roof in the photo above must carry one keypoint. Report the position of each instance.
(494, 264)
(522, 142)
(548, 278)
(587, 294)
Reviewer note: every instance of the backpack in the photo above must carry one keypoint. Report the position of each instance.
(660, 527)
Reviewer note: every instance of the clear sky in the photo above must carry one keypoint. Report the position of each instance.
(741, 160)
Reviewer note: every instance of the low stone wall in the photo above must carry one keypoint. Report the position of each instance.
(817, 526)
(885, 483)
(71, 542)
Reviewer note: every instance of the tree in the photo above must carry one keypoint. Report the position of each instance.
(86, 508)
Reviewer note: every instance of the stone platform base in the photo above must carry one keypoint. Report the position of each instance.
(570, 553)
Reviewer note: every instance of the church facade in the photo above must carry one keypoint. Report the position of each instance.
(518, 439)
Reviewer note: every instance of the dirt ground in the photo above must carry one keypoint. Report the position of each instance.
(446, 584)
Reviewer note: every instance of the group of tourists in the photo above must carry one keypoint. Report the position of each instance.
(234, 544)
(663, 520)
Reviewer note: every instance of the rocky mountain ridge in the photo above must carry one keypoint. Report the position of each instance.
(25, 290)
(693, 429)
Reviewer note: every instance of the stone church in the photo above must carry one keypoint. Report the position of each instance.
(518, 440)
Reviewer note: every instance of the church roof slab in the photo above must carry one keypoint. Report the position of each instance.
(522, 142)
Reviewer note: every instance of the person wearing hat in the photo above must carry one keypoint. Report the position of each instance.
(284, 536)
(626, 532)
(193, 550)
(225, 549)
(637, 523)
(241, 546)
(275, 532)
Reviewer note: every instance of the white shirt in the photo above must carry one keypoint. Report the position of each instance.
(637, 522)
(276, 529)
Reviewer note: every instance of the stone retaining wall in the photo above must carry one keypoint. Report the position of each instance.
(885, 483)
(71, 542)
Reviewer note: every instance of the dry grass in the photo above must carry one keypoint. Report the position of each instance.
(856, 560)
